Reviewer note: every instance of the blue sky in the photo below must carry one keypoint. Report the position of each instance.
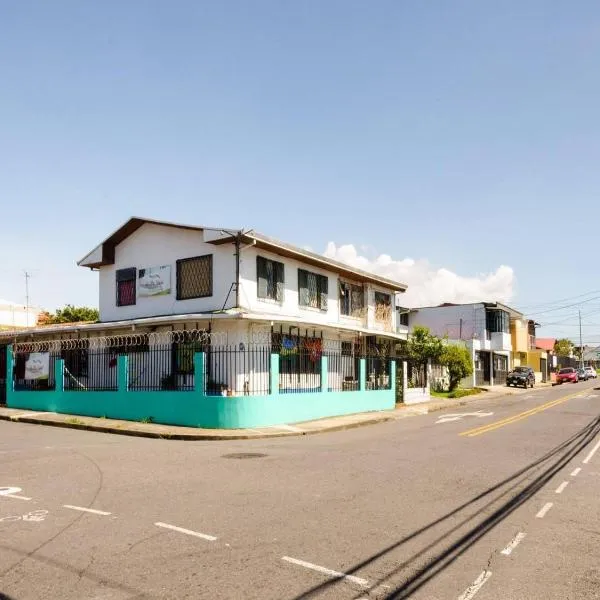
(464, 133)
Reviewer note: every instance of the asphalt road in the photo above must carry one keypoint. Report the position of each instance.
(500, 503)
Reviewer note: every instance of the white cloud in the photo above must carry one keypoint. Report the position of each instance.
(427, 285)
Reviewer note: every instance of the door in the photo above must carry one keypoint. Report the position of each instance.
(544, 369)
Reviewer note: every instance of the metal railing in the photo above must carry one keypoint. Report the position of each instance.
(299, 372)
(378, 373)
(34, 371)
(88, 370)
(416, 374)
(343, 372)
(237, 371)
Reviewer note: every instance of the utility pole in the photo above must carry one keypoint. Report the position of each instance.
(580, 342)
(27, 276)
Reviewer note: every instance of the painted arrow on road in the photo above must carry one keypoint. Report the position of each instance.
(459, 416)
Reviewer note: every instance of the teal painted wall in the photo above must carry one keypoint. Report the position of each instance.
(195, 409)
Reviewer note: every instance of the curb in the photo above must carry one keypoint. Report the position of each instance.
(191, 437)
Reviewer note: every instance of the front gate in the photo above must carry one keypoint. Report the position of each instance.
(544, 369)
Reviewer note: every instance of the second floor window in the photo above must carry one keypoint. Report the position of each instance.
(383, 306)
(195, 277)
(269, 279)
(497, 321)
(312, 289)
(352, 299)
(126, 279)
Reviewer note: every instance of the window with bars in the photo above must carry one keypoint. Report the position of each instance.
(269, 279)
(312, 289)
(352, 299)
(383, 306)
(126, 279)
(195, 277)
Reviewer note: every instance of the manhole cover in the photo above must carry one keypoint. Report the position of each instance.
(244, 455)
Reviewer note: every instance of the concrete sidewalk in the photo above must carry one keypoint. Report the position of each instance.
(174, 432)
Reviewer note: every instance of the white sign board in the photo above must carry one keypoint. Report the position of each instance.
(155, 281)
(37, 366)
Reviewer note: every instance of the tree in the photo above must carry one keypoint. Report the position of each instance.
(423, 346)
(69, 314)
(457, 359)
(563, 347)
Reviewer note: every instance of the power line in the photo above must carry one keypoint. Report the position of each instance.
(563, 307)
(542, 304)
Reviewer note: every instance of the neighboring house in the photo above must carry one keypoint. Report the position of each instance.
(269, 318)
(547, 345)
(17, 316)
(591, 355)
(526, 352)
(483, 327)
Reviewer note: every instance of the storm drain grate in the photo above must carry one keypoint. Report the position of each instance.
(244, 455)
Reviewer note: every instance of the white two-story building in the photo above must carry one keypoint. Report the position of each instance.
(242, 286)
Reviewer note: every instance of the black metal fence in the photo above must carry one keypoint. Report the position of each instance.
(378, 373)
(3, 374)
(236, 371)
(34, 371)
(299, 371)
(416, 374)
(343, 372)
(93, 370)
(229, 370)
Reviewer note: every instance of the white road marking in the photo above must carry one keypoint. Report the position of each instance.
(325, 571)
(459, 416)
(36, 516)
(204, 536)
(89, 510)
(475, 586)
(514, 543)
(544, 510)
(6, 491)
(587, 459)
(561, 488)
(576, 472)
(17, 497)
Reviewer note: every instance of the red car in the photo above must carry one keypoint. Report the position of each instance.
(568, 375)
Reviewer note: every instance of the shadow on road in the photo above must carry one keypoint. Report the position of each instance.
(520, 487)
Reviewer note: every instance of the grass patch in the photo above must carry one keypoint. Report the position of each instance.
(74, 421)
(459, 393)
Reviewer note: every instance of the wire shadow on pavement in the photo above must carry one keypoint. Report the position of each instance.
(513, 497)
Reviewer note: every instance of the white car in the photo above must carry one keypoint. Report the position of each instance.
(591, 373)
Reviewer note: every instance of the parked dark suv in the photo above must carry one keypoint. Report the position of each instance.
(521, 376)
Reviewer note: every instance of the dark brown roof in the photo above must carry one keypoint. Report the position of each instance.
(248, 236)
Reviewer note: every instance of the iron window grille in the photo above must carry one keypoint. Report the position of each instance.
(126, 279)
(269, 279)
(383, 306)
(312, 290)
(352, 299)
(195, 277)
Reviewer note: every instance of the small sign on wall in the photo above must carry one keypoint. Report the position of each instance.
(37, 366)
(154, 281)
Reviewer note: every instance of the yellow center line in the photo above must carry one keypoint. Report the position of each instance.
(517, 417)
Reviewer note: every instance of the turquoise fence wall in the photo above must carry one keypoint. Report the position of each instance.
(196, 409)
